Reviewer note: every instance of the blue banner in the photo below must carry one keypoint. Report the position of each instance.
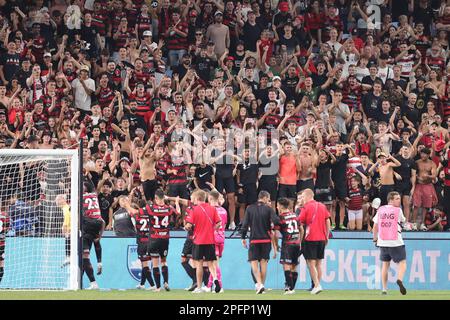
(351, 264)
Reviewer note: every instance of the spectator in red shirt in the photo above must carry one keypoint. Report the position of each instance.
(315, 216)
(205, 219)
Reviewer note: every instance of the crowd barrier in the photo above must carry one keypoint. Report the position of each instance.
(350, 264)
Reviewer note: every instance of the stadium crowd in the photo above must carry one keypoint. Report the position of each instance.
(240, 96)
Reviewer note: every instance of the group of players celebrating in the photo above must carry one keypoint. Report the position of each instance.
(199, 257)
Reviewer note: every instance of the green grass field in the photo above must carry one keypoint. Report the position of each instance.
(227, 295)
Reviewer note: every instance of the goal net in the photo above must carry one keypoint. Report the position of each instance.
(39, 196)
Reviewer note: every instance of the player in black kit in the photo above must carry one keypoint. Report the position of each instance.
(141, 222)
(93, 226)
(158, 244)
(292, 232)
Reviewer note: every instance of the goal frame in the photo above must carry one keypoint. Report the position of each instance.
(75, 193)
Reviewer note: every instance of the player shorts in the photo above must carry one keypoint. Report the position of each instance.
(225, 183)
(2, 252)
(313, 250)
(404, 188)
(396, 254)
(325, 195)
(305, 184)
(290, 254)
(271, 186)
(178, 190)
(249, 194)
(424, 196)
(355, 215)
(205, 252)
(150, 187)
(287, 191)
(187, 249)
(219, 249)
(259, 251)
(158, 248)
(142, 251)
(91, 231)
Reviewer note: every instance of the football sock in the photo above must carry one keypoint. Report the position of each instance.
(98, 251)
(67, 246)
(157, 276)
(143, 275)
(189, 270)
(294, 278)
(149, 277)
(288, 278)
(205, 275)
(2, 271)
(87, 267)
(165, 273)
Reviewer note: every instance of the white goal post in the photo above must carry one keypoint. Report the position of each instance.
(38, 188)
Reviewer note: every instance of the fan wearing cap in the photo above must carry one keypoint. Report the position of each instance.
(83, 88)
(147, 41)
(219, 34)
(282, 16)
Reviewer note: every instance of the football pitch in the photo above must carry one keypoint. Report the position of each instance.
(227, 295)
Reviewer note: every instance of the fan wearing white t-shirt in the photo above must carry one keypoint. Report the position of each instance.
(387, 234)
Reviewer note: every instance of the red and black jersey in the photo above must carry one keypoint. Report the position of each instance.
(431, 217)
(272, 121)
(356, 198)
(91, 208)
(115, 21)
(314, 21)
(143, 24)
(40, 117)
(159, 220)
(422, 44)
(177, 163)
(139, 76)
(161, 167)
(121, 40)
(352, 96)
(436, 63)
(143, 104)
(175, 41)
(142, 225)
(38, 47)
(99, 22)
(4, 227)
(47, 101)
(329, 23)
(105, 96)
(289, 228)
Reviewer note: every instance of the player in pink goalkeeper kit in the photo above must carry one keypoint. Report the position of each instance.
(216, 200)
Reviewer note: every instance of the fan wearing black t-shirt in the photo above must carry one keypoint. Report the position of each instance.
(407, 172)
